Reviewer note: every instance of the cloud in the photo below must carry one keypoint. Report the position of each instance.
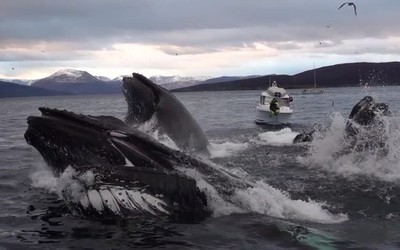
(90, 33)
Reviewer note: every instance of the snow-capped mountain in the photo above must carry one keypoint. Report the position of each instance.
(173, 79)
(173, 82)
(118, 78)
(70, 76)
(82, 82)
(170, 82)
(77, 82)
(18, 81)
(103, 78)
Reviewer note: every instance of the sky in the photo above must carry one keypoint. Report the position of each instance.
(192, 37)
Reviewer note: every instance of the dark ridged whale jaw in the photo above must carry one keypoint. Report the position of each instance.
(134, 191)
(107, 148)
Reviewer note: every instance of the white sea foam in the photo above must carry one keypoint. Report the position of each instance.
(281, 137)
(216, 203)
(224, 149)
(44, 178)
(326, 152)
(150, 128)
(264, 199)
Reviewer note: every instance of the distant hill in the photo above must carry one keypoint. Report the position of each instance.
(227, 79)
(77, 82)
(8, 89)
(18, 81)
(340, 75)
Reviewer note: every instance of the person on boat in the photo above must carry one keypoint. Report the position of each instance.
(274, 106)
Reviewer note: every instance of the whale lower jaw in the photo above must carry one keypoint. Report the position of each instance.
(107, 200)
(123, 191)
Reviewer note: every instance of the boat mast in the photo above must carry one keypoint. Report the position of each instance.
(315, 81)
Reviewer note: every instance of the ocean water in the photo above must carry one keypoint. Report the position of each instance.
(305, 197)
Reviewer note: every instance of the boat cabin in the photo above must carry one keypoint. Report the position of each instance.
(284, 99)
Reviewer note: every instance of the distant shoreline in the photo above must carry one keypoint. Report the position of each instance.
(340, 75)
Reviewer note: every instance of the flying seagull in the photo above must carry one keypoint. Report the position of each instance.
(350, 4)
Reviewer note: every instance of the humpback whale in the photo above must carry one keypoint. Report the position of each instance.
(363, 128)
(118, 170)
(146, 100)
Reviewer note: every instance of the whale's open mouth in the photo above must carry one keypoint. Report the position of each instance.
(134, 174)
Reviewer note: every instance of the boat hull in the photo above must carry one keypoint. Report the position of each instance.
(265, 116)
(312, 91)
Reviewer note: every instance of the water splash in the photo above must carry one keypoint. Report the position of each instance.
(150, 128)
(44, 178)
(263, 199)
(225, 149)
(281, 137)
(332, 151)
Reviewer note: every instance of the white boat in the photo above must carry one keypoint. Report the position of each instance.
(267, 113)
(314, 90)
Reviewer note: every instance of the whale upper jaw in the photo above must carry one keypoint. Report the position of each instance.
(147, 100)
(64, 138)
(141, 98)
